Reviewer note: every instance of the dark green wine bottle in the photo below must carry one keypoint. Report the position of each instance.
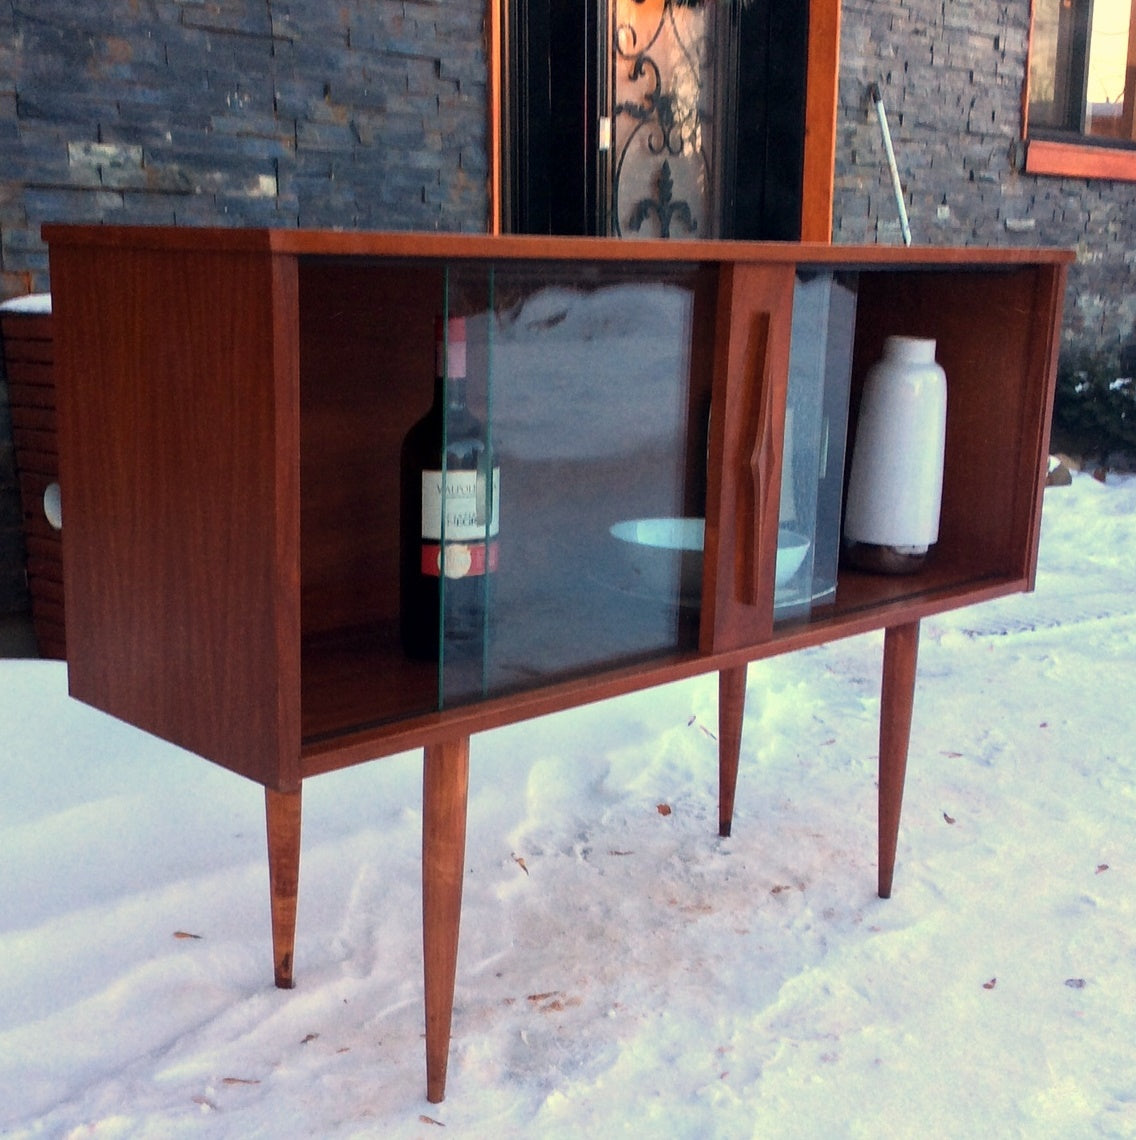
(449, 534)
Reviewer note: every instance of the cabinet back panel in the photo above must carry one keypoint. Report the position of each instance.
(366, 375)
(987, 332)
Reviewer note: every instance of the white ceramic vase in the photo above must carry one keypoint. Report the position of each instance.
(895, 487)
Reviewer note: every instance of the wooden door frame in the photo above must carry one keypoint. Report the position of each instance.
(820, 117)
(820, 120)
(495, 52)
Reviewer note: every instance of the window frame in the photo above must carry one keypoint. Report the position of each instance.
(1065, 154)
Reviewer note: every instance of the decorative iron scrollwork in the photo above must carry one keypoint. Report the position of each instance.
(662, 206)
(662, 79)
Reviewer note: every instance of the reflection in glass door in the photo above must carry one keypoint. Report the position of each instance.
(593, 407)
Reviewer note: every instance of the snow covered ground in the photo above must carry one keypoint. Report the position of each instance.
(623, 971)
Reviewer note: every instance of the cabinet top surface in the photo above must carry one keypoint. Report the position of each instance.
(406, 244)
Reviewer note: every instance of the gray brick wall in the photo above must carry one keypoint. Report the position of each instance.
(354, 113)
(951, 74)
(357, 113)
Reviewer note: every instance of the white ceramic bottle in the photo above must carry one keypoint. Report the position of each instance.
(895, 487)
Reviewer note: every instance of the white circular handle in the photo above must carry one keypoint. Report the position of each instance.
(53, 506)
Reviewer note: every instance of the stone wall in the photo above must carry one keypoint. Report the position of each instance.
(951, 73)
(354, 113)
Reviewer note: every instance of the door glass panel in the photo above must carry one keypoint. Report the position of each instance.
(581, 376)
(816, 423)
(663, 123)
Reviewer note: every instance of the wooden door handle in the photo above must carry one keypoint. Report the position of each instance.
(761, 461)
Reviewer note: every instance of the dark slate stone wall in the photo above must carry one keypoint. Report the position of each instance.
(364, 114)
(355, 113)
(951, 74)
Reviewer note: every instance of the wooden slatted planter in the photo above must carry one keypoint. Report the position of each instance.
(26, 334)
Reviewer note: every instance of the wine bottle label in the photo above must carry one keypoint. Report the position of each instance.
(461, 559)
(466, 501)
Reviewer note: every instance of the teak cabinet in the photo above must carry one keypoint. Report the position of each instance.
(231, 408)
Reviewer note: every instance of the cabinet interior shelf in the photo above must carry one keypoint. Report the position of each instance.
(349, 697)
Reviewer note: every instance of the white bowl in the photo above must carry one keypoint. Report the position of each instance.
(791, 550)
(663, 556)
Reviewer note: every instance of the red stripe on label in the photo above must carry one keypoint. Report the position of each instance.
(463, 559)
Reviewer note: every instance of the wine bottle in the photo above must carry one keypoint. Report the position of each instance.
(450, 500)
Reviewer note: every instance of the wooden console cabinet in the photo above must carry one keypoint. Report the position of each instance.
(231, 406)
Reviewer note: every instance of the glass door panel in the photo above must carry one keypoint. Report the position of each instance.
(816, 423)
(592, 406)
(582, 377)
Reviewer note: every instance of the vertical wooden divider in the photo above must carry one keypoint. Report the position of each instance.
(897, 698)
(445, 793)
(751, 364)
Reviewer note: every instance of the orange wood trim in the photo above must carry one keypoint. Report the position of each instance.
(1070, 160)
(1129, 120)
(820, 120)
(495, 56)
(1025, 89)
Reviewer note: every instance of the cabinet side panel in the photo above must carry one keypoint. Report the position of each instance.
(169, 465)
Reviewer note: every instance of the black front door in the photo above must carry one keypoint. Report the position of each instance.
(655, 118)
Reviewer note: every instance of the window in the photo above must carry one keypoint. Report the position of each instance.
(1082, 88)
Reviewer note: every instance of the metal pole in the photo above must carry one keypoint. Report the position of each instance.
(881, 114)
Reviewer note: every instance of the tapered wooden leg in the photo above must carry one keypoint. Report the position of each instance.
(731, 712)
(282, 811)
(901, 650)
(445, 791)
